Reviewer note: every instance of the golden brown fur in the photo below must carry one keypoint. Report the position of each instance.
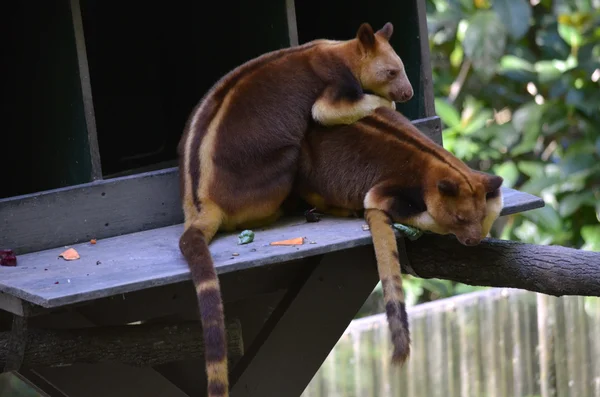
(239, 151)
(384, 165)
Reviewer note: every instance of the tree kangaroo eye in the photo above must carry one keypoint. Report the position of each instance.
(392, 73)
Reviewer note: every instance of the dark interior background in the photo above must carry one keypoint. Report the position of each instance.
(149, 64)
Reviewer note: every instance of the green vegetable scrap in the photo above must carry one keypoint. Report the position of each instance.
(412, 233)
(245, 237)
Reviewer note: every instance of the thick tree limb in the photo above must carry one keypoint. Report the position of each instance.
(552, 270)
(136, 345)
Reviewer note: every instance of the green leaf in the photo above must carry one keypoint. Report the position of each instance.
(515, 15)
(509, 172)
(571, 203)
(447, 113)
(591, 236)
(485, 41)
(548, 71)
(245, 237)
(532, 169)
(478, 121)
(527, 121)
(511, 62)
(546, 217)
(570, 34)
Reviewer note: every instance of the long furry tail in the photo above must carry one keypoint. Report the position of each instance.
(194, 248)
(388, 266)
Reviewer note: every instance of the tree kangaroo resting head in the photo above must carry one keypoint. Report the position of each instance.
(239, 151)
(384, 165)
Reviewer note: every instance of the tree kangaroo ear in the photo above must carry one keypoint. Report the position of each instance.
(366, 37)
(447, 187)
(492, 182)
(386, 31)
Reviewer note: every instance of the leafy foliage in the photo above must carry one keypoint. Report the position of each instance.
(517, 86)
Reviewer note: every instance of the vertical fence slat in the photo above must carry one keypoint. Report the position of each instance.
(505, 342)
(496, 343)
(583, 338)
(518, 352)
(452, 336)
(380, 333)
(560, 351)
(489, 334)
(530, 338)
(438, 358)
(468, 315)
(592, 306)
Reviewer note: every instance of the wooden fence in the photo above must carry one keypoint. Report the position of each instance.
(494, 343)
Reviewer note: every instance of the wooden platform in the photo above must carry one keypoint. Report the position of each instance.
(138, 261)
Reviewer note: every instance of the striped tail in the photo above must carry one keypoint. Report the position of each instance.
(194, 248)
(388, 266)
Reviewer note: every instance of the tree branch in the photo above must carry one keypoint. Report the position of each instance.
(552, 270)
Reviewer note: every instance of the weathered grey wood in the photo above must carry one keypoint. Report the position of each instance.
(152, 258)
(86, 91)
(107, 208)
(134, 345)
(425, 62)
(313, 314)
(290, 7)
(431, 126)
(552, 270)
(94, 210)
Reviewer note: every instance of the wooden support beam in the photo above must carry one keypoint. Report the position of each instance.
(305, 325)
(552, 270)
(135, 345)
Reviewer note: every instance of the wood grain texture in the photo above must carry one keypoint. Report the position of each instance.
(104, 209)
(152, 258)
(135, 345)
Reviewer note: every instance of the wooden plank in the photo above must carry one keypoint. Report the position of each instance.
(426, 80)
(86, 91)
(93, 210)
(108, 208)
(290, 7)
(316, 314)
(152, 258)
